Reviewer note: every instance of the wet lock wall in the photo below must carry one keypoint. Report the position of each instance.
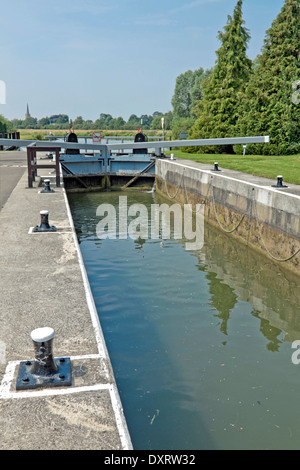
(265, 219)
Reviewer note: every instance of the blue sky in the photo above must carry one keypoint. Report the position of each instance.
(86, 57)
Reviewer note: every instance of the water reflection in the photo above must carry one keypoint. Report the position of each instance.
(200, 341)
(233, 271)
(270, 332)
(223, 299)
(273, 292)
(139, 244)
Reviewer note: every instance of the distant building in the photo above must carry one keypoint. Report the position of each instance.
(27, 115)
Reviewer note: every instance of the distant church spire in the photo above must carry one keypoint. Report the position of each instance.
(27, 115)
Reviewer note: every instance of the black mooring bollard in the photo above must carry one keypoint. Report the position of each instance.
(216, 167)
(44, 370)
(44, 227)
(279, 182)
(47, 188)
(43, 342)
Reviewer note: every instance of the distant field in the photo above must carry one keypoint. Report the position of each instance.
(259, 165)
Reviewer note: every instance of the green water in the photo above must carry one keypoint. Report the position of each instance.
(200, 342)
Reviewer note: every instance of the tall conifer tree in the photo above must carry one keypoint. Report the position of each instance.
(218, 110)
(269, 106)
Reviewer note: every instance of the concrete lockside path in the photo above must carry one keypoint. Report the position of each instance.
(12, 166)
(44, 284)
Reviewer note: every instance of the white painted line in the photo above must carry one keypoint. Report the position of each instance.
(53, 392)
(255, 185)
(87, 356)
(58, 230)
(9, 376)
(120, 419)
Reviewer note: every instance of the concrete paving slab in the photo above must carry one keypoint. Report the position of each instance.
(78, 421)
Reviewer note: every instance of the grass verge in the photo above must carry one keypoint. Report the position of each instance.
(260, 165)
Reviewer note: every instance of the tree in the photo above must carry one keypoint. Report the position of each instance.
(16, 123)
(181, 125)
(62, 119)
(3, 124)
(218, 110)
(156, 122)
(43, 122)
(133, 122)
(88, 124)
(118, 123)
(187, 91)
(30, 123)
(147, 121)
(105, 117)
(267, 107)
(197, 88)
(156, 113)
(78, 123)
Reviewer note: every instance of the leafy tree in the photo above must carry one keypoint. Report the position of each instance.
(97, 124)
(133, 122)
(267, 107)
(105, 117)
(62, 119)
(43, 122)
(16, 123)
(3, 124)
(30, 123)
(181, 125)
(105, 121)
(147, 120)
(187, 91)
(118, 123)
(88, 124)
(218, 111)
(78, 123)
(156, 122)
(197, 88)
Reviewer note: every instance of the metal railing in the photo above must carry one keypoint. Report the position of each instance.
(106, 149)
(138, 145)
(32, 164)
